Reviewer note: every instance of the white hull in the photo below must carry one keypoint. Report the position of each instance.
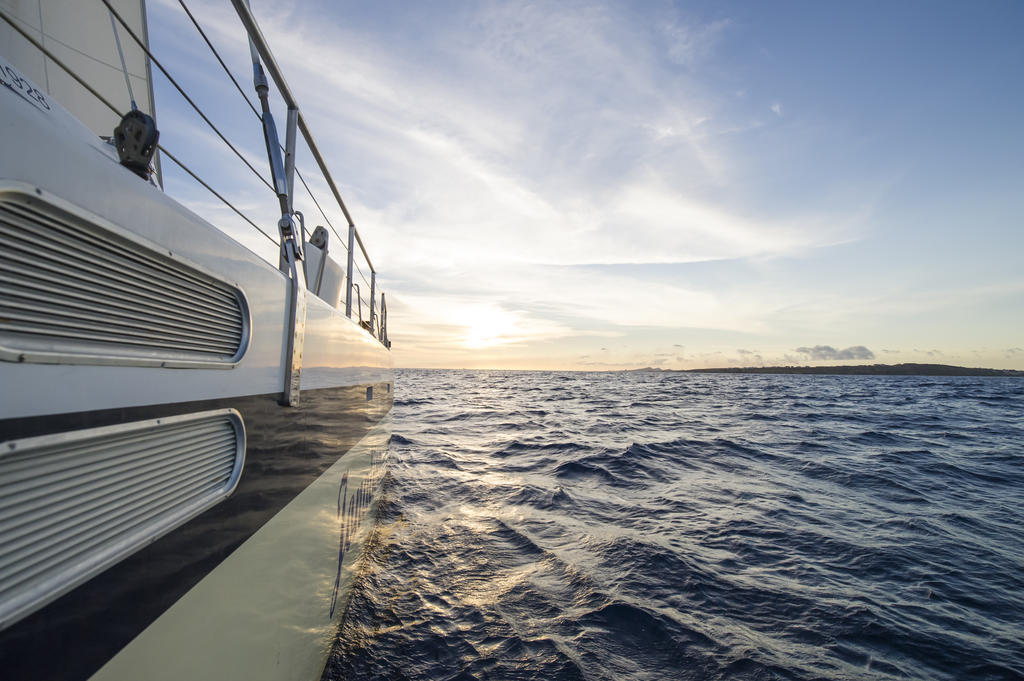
(265, 613)
(252, 583)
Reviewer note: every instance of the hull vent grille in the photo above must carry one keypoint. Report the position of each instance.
(74, 292)
(73, 504)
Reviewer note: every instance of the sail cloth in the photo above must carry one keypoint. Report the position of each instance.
(78, 32)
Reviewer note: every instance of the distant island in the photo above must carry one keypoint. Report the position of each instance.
(855, 370)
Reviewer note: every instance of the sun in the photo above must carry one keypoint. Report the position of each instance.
(488, 327)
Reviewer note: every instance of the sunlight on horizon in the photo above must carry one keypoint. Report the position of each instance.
(763, 180)
(489, 327)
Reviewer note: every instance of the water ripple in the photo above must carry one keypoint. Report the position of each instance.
(640, 526)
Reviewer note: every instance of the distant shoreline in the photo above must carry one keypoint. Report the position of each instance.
(855, 370)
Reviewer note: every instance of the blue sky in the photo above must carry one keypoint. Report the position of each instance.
(614, 185)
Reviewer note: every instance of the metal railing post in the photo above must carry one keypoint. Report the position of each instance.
(283, 169)
(348, 273)
(373, 297)
(289, 155)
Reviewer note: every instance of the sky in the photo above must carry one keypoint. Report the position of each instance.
(614, 185)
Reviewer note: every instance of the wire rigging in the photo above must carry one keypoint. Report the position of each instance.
(188, 99)
(238, 87)
(217, 55)
(326, 219)
(124, 67)
(215, 193)
(360, 270)
(114, 14)
(78, 79)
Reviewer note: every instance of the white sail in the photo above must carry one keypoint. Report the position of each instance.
(78, 32)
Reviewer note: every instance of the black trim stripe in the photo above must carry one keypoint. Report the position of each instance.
(288, 448)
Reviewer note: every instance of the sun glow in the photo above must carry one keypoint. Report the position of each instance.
(488, 327)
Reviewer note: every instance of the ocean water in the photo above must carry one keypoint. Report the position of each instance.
(540, 525)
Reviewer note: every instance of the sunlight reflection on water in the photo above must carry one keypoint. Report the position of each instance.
(668, 526)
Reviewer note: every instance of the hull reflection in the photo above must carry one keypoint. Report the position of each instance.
(253, 588)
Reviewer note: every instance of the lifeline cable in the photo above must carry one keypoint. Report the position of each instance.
(188, 99)
(78, 79)
(217, 55)
(230, 75)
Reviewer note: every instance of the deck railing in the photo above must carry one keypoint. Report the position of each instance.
(283, 169)
(375, 324)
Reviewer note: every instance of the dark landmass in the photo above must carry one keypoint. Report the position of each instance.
(859, 370)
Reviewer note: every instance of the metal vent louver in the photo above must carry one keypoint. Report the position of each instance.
(72, 291)
(73, 504)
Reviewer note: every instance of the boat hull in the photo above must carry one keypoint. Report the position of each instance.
(250, 578)
(254, 585)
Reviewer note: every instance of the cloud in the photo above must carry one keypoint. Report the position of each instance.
(689, 44)
(776, 108)
(827, 352)
(748, 356)
(454, 148)
(490, 159)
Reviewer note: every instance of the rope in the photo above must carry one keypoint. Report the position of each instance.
(188, 99)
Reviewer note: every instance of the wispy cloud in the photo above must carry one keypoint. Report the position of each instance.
(549, 156)
(691, 44)
(493, 157)
(827, 352)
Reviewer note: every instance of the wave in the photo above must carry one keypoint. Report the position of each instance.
(660, 527)
(541, 498)
(518, 448)
(397, 439)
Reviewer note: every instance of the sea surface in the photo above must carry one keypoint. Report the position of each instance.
(539, 525)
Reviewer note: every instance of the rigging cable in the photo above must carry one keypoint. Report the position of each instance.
(35, 43)
(359, 269)
(326, 219)
(124, 67)
(217, 55)
(199, 111)
(215, 193)
(230, 75)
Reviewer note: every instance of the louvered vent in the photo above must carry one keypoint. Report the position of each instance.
(74, 292)
(75, 503)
